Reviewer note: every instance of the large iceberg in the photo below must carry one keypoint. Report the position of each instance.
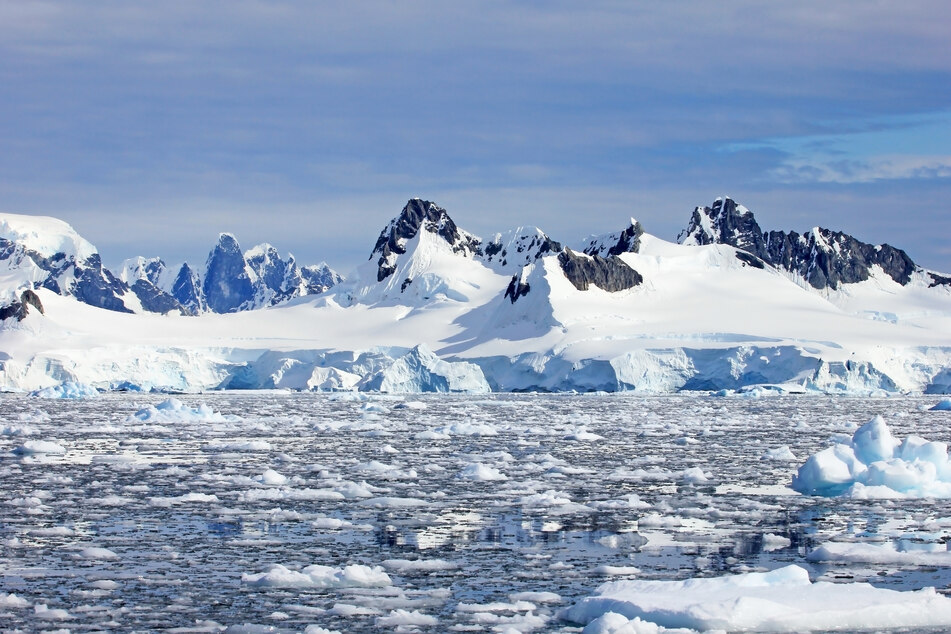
(875, 464)
(780, 600)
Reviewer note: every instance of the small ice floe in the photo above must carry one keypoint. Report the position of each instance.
(875, 464)
(779, 454)
(173, 410)
(400, 618)
(68, 390)
(886, 554)
(467, 428)
(694, 475)
(581, 434)
(229, 447)
(623, 540)
(417, 405)
(13, 601)
(187, 498)
(773, 542)
(271, 478)
(34, 447)
(481, 473)
(45, 613)
(779, 600)
(616, 571)
(419, 565)
(944, 405)
(316, 576)
(98, 554)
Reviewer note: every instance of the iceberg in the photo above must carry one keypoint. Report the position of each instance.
(875, 464)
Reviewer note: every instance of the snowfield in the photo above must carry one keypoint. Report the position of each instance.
(287, 512)
(430, 312)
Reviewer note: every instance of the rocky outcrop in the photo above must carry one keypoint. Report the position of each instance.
(227, 284)
(626, 241)
(517, 288)
(187, 290)
(823, 258)
(609, 274)
(419, 215)
(510, 251)
(20, 309)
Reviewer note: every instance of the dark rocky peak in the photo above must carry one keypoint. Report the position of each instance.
(725, 222)
(20, 308)
(226, 285)
(419, 215)
(187, 290)
(822, 257)
(610, 274)
(626, 241)
(319, 278)
(514, 249)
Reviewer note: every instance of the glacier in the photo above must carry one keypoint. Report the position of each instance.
(436, 308)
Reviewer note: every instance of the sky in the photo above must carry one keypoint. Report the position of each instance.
(153, 127)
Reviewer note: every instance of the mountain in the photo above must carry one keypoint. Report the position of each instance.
(821, 257)
(232, 280)
(436, 308)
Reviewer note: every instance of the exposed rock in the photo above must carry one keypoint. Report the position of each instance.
(187, 290)
(939, 280)
(517, 288)
(626, 241)
(822, 257)
(419, 215)
(20, 309)
(227, 284)
(512, 250)
(609, 274)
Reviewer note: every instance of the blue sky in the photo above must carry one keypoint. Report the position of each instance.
(152, 127)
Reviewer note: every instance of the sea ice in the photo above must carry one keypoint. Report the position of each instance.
(69, 389)
(173, 410)
(874, 464)
(944, 405)
(316, 576)
(780, 600)
(32, 447)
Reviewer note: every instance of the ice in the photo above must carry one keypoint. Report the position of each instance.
(69, 389)
(944, 405)
(481, 472)
(780, 600)
(317, 576)
(783, 453)
(33, 447)
(13, 601)
(173, 410)
(400, 618)
(98, 553)
(875, 464)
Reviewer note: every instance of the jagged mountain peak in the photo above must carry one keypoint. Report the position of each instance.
(628, 240)
(419, 215)
(510, 251)
(823, 258)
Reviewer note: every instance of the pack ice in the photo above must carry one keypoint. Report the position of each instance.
(729, 308)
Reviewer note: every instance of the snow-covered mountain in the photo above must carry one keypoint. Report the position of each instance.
(821, 257)
(436, 308)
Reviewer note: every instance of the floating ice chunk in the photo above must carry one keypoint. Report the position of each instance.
(944, 405)
(611, 571)
(32, 447)
(316, 629)
(250, 445)
(173, 410)
(400, 618)
(874, 464)
(467, 428)
(46, 613)
(481, 472)
(424, 565)
(623, 540)
(13, 601)
(100, 554)
(316, 576)
(536, 597)
(695, 475)
(582, 434)
(69, 389)
(783, 453)
(417, 405)
(614, 623)
(773, 542)
(271, 478)
(780, 600)
(187, 498)
(879, 554)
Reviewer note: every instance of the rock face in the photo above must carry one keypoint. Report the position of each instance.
(186, 288)
(20, 309)
(419, 215)
(626, 241)
(609, 274)
(227, 282)
(510, 251)
(145, 277)
(823, 258)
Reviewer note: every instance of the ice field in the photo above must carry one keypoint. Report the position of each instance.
(279, 511)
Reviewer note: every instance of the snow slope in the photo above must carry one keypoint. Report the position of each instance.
(429, 312)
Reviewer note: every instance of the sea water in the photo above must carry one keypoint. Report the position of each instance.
(278, 511)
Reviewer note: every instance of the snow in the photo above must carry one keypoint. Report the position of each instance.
(47, 236)
(32, 447)
(780, 600)
(317, 576)
(873, 463)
